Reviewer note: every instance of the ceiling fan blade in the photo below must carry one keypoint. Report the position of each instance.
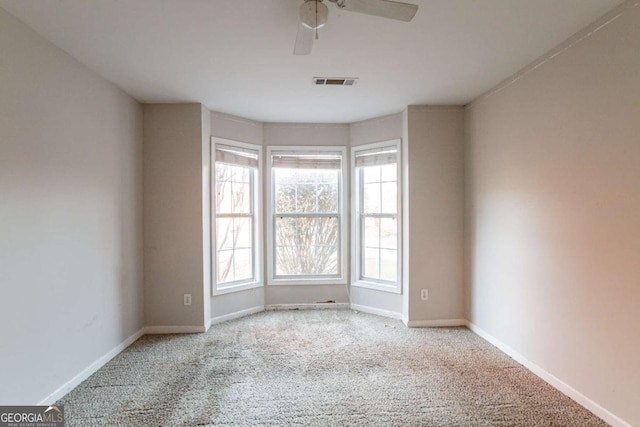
(384, 8)
(304, 40)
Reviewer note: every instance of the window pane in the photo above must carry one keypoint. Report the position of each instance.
(306, 198)
(243, 264)
(388, 265)
(304, 184)
(306, 246)
(243, 232)
(225, 266)
(328, 198)
(301, 191)
(371, 174)
(241, 175)
(283, 266)
(286, 231)
(233, 189)
(223, 172)
(389, 172)
(377, 195)
(389, 197)
(283, 176)
(327, 176)
(306, 175)
(371, 266)
(235, 181)
(285, 198)
(224, 233)
(223, 197)
(234, 249)
(388, 233)
(241, 196)
(371, 233)
(371, 198)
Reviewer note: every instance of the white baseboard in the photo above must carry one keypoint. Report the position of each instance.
(207, 325)
(376, 311)
(237, 314)
(89, 370)
(318, 306)
(440, 323)
(554, 381)
(186, 329)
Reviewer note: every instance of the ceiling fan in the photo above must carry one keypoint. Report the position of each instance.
(314, 14)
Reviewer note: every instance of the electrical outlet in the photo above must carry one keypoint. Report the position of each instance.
(187, 299)
(424, 294)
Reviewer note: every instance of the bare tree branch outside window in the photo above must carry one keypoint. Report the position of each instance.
(234, 223)
(306, 222)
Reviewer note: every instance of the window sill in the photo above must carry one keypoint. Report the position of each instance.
(236, 288)
(306, 282)
(395, 288)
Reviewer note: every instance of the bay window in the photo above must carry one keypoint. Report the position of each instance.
(376, 216)
(306, 234)
(236, 215)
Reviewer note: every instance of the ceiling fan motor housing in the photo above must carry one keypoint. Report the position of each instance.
(314, 14)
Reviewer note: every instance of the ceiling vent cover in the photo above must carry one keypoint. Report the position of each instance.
(335, 81)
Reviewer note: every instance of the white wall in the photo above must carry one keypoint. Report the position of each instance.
(554, 214)
(70, 216)
(434, 214)
(173, 232)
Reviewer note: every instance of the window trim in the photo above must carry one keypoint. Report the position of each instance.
(257, 281)
(356, 226)
(343, 218)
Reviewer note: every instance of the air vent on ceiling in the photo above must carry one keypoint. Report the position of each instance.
(335, 81)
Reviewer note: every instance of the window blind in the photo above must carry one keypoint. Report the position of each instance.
(306, 161)
(376, 157)
(237, 156)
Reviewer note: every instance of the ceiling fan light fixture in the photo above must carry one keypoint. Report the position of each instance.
(314, 14)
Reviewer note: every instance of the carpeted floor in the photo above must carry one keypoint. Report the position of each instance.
(318, 368)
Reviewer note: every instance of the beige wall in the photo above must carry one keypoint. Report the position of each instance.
(244, 130)
(173, 232)
(304, 134)
(366, 132)
(379, 129)
(434, 213)
(70, 216)
(554, 214)
(236, 128)
(205, 138)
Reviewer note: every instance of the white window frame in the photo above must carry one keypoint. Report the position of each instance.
(343, 217)
(257, 280)
(356, 222)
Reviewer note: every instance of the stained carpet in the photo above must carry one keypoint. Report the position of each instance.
(318, 368)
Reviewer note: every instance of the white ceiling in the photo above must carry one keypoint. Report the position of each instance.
(235, 56)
